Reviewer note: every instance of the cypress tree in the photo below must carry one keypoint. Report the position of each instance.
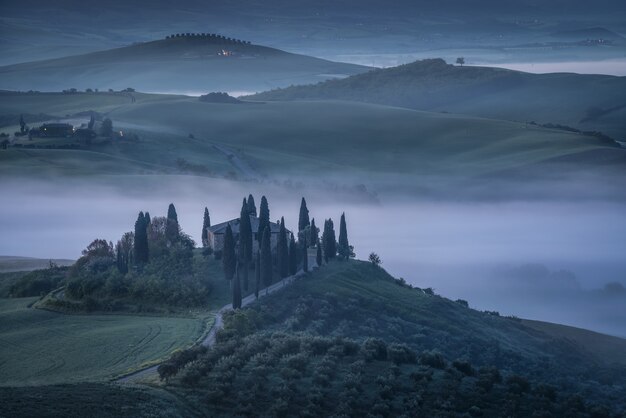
(283, 251)
(229, 260)
(251, 205)
(147, 218)
(266, 259)
(305, 258)
(293, 257)
(172, 232)
(303, 220)
(329, 241)
(22, 124)
(141, 240)
(314, 236)
(264, 218)
(257, 274)
(318, 256)
(206, 223)
(245, 242)
(237, 291)
(344, 246)
(171, 213)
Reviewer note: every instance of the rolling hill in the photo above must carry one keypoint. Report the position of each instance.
(349, 335)
(586, 102)
(383, 147)
(192, 63)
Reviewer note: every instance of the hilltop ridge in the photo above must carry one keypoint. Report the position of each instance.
(183, 63)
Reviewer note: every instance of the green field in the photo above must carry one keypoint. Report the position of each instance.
(380, 145)
(40, 347)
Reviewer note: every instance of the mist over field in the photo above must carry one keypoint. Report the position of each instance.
(548, 259)
(161, 165)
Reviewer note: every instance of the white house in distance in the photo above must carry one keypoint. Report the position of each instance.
(215, 234)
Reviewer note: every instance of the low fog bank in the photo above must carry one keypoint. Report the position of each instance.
(558, 261)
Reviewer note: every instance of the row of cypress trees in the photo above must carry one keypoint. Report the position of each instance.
(237, 257)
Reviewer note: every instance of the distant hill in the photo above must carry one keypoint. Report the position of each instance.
(589, 33)
(13, 263)
(587, 102)
(192, 63)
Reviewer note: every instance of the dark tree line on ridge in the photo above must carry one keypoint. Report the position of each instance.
(209, 36)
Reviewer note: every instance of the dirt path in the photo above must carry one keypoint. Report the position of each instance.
(243, 166)
(209, 339)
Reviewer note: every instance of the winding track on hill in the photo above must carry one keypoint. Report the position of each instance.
(210, 338)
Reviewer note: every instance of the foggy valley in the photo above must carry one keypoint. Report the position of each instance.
(296, 209)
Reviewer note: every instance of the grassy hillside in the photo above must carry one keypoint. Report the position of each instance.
(351, 339)
(90, 400)
(41, 347)
(346, 143)
(11, 263)
(604, 347)
(587, 102)
(184, 64)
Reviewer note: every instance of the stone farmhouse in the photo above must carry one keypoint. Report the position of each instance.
(215, 234)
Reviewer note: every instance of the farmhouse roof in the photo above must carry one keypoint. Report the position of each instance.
(234, 225)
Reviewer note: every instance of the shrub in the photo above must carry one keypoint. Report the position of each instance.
(375, 349)
(462, 302)
(464, 367)
(517, 384)
(433, 359)
(401, 353)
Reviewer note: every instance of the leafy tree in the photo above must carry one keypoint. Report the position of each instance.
(173, 231)
(229, 259)
(106, 129)
(257, 274)
(99, 248)
(141, 240)
(251, 205)
(314, 235)
(264, 218)
(293, 256)
(460, 61)
(283, 251)
(266, 258)
(374, 259)
(206, 223)
(318, 256)
(245, 241)
(344, 249)
(329, 242)
(303, 220)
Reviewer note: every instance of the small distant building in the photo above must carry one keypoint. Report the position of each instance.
(215, 234)
(56, 130)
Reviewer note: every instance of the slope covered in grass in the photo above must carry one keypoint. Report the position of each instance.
(587, 102)
(351, 339)
(40, 347)
(346, 143)
(191, 63)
